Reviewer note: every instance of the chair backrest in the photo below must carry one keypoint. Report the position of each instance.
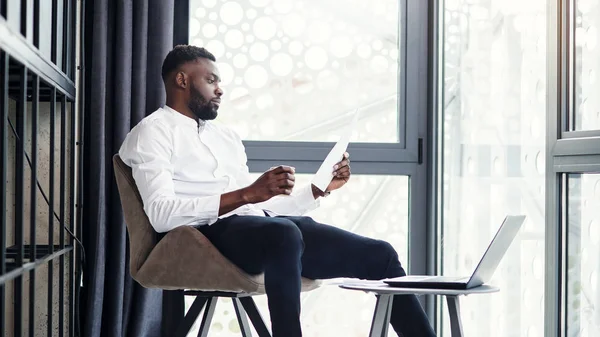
(142, 236)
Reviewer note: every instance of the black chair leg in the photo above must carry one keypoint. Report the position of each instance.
(242, 318)
(173, 311)
(255, 317)
(191, 316)
(208, 315)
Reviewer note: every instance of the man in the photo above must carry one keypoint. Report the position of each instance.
(192, 172)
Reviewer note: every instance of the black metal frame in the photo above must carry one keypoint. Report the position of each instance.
(182, 21)
(29, 78)
(3, 164)
(244, 306)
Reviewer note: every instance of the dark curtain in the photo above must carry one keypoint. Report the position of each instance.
(125, 43)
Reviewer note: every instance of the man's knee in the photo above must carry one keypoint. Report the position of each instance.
(302, 221)
(285, 234)
(389, 257)
(385, 250)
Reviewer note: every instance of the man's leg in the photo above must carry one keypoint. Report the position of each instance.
(330, 252)
(270, 245)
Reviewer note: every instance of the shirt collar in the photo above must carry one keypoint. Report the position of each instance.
(181, 118)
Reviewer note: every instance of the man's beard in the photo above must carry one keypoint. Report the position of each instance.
(202, 108)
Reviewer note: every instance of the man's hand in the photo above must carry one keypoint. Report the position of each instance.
(341, 175)
(277, 180)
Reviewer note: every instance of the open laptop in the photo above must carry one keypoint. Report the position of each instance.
(484, 271)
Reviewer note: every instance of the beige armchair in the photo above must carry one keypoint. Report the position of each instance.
(185, 260)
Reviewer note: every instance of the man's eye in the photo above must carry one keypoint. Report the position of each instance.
(210, 81)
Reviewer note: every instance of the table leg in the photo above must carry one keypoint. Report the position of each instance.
(386, 322)
(381, 317)
(456, 329)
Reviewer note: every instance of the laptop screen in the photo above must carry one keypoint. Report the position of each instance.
(496, 250)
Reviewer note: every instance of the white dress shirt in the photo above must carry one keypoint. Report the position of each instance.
(182, 167)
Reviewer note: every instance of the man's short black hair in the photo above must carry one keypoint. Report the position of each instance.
(182, 54)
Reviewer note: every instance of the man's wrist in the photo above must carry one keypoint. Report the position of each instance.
(318, 193)
(244, 195)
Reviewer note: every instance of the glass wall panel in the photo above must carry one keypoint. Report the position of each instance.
(297, 70)
(493, 116)
(583, 255)
(587, 65)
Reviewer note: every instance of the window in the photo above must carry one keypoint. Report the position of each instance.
(294, 72)
(587, 65)
(583, 255)
(493, 115)
(572, 170)
(297, 70)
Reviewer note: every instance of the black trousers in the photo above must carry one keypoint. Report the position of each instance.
(286, 248)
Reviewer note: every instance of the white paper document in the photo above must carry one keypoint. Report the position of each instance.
(324, 175)
(353, 282)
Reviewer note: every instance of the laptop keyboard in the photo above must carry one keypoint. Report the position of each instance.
(448, 279)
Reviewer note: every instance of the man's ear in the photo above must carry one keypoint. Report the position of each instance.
(181, 79)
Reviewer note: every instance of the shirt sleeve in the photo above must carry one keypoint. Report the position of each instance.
(147, 150)
(300, 202)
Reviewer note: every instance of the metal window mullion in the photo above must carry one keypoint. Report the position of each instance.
(568, 47)
(556, 103)
(3, 165)
(20, 200)
(23, 18)
(51, 206)
(61, 276)
(36, 23)
(402, 73)
(77, 135)
(570, 65)
(564, 67)
(581, 134)
(66, 43)
(310, 167)
(35, 98)
(417, 241)
(53, 38)
(434, 156)
(72, 282)
(73, 38)
(415, 69)
(563, 250)
(317, 151)
(553, 254)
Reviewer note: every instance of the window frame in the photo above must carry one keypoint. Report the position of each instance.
(569, 84)
(412, 86)
(567, 152)
(409, 156)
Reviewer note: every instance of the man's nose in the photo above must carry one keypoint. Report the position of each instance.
(219, 91)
